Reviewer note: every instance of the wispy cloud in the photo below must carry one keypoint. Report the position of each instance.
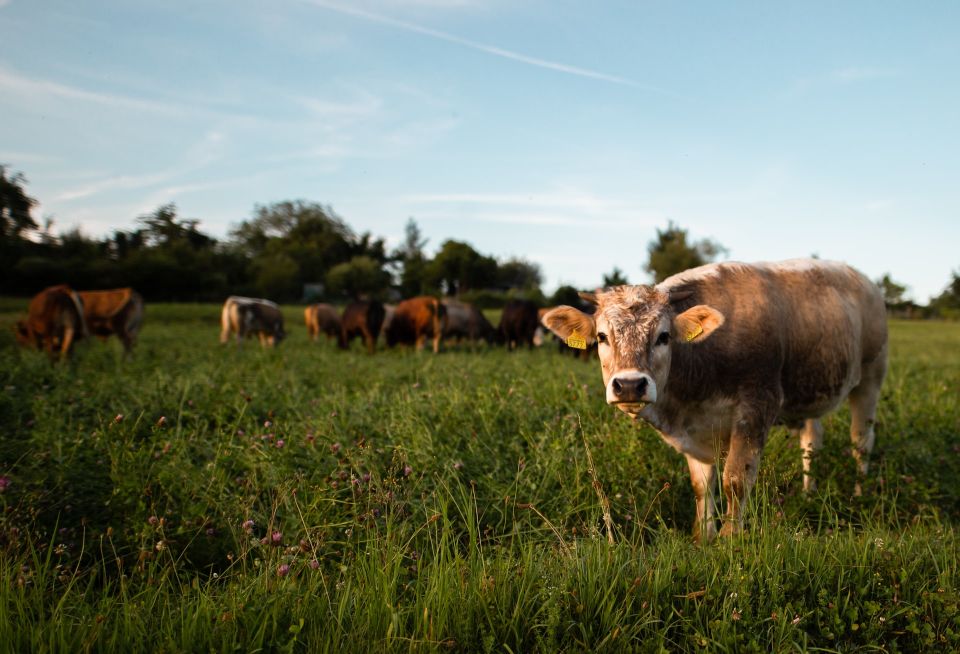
(4, 3)
(861, 73)
(482, 47)
(25, 87)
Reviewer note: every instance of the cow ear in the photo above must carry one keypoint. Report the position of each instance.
(697, 323)
(564, 321)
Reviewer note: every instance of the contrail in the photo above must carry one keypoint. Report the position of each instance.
(482, 47)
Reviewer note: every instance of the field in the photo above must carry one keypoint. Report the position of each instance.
(205, 498)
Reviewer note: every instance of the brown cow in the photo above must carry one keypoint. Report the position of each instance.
(322, 318)
(245, 316)
(416, 319)
(54, 321)
(363, 319)
(518, 324)
(714, 356)
(465, 321)
(116, 311)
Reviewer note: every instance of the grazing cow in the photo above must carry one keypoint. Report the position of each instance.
(322, 318)
(415, 320)
(712, 357)
(54, 321)
(116, 311)
(518, 324)
(362, 319)
(388, 311)
(245, 316)
(465, 321)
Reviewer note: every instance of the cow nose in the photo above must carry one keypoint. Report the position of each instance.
(629, 389)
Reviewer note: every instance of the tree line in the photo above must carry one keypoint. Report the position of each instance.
(299, 250)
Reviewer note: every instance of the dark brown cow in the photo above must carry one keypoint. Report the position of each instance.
(518, 324)
(322, 318)
(54, 321)
(246, 316)
(363, 319)
(116, 311)
(465, 321)
(714, 356)
(415, 320)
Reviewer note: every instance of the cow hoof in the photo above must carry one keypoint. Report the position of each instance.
(730, 529)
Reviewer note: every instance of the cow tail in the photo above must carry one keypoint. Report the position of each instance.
(78, 305)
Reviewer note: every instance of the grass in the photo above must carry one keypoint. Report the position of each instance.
(200, 497)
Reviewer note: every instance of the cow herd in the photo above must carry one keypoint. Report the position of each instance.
(59, 316)
(412, 322)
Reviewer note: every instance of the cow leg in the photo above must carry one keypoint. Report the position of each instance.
(436, 343)
(743, 462)
(863, 414)
(703, 478)
(419, 342)
(811, 440)
(369, 341)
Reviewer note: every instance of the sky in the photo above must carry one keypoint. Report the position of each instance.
(562, 132)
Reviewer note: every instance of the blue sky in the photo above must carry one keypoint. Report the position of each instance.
(561, 132)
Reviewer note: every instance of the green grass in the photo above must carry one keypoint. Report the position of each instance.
(443, 503)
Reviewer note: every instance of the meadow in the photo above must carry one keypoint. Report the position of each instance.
(206, 498)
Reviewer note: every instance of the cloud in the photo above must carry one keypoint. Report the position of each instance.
(23, 87)
(4, 3)
(482, 47)
(861, 73)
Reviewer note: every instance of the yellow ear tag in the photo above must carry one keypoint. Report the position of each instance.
(577, 341)
(693, 333)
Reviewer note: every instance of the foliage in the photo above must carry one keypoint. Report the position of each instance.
(457, 268)
(671, 252)
(198, 498)
(892, 291)
(615, 278)
(520, 274)
(947, 304)
(361, 276)
(565, 295)
(15, 206)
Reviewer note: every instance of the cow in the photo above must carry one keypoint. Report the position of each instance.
(54, 322)
(518, 324)
(714, 356)
(322, 318)
(388, 311)
(465, 321)
(364, 319)
(245, 316)
(115, 311)
(415, 320)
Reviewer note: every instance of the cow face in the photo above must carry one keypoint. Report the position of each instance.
(637, 329)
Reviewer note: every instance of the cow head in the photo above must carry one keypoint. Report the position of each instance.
(637, 329)
(22, 333)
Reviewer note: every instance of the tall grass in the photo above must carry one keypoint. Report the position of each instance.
(199, 497)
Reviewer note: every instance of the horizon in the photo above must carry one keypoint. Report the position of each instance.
(550, 132)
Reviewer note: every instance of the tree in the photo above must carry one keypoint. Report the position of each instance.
(15, 206)
(457, 268)
(519, 274)
(615, 278)
(671, 253)
(360, 276)
(947, 304)
(892, 291)
(566, 295)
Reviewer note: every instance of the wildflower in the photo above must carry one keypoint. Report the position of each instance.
(314, 564)
(796, 620)
(118, 418)
(335, 447)
(4, 483)
(162, 421)
(736, 615)
(211, 531)
(280, 443)
(153, 520)
(458, 465)
(407, 470)
(267, 424)
(283, 570)
(276, 537)
(161, 545)
(366, 477)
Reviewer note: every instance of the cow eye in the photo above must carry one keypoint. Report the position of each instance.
(601, 337)
(663, 338)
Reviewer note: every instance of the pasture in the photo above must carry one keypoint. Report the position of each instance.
(199, 497)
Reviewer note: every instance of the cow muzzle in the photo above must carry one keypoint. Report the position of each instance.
(631, 390)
